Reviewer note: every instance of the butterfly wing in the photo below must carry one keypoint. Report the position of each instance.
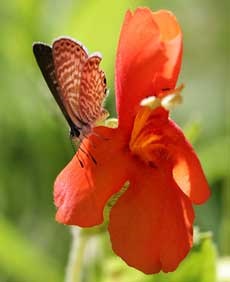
(92, 91)
(69, 58)
(44, 58)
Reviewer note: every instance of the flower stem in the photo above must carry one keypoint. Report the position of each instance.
(76, 256)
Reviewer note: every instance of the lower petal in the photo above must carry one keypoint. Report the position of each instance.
(151, 223)
(80, 193)
(187, 170)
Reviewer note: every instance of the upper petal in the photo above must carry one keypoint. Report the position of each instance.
(80, 193)
(148, 59)
(151, 223)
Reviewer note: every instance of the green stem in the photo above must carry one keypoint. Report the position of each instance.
(76, 256)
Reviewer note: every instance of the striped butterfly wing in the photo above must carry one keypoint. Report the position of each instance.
(44, 58)
(69, 59)
(83, 84)
(92, 91)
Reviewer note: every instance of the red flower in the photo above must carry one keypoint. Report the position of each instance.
(151, 223)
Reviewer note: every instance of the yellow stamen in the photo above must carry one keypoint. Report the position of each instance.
(167, 99)
(173, 98)
(152, 102)
(171, 101)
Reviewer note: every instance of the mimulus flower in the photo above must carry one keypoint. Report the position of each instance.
(151, 224)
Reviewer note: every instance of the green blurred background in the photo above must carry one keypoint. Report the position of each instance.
(34, 136)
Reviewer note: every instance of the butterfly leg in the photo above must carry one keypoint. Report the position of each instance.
(87, 153)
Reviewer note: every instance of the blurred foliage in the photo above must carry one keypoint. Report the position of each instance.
(100, 264)
(34, 137)
(22, 260)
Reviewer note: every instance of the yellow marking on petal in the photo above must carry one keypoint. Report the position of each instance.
(142, 142)
(150, 140)
(145, 144)
(140, 120)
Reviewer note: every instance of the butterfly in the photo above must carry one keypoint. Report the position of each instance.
(76, 82)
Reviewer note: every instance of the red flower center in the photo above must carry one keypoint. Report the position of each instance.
(145, 142)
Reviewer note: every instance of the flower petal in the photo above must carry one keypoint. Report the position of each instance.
(171, 36)
(151, 223)
(156, 138)
(187, 170)
(148, 59)
(80, 193)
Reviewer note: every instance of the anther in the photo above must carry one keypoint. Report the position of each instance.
(152, 102)
(173, 98)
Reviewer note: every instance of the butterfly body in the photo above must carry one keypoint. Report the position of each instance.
(76, 82)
